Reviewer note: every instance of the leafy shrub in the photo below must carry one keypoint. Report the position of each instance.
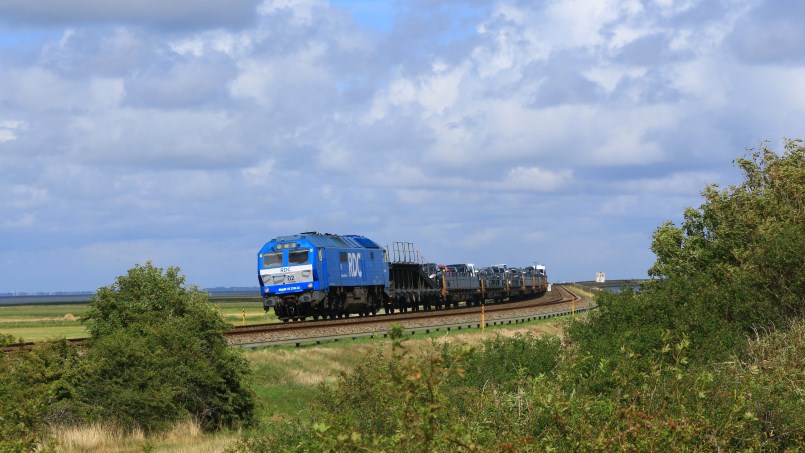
(424, 402)
(31, 381)
(507, 362)
(397, 403)
(735, 264)
(158, 355)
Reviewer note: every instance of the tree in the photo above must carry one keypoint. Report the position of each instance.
(158, 355)
(737, 263)
(748, 238)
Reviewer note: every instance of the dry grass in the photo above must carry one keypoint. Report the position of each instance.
(185, 437)
(311, 366)
(95, 437)
(546, 328)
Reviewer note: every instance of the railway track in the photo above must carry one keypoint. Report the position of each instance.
(556, 303)
(306, 332)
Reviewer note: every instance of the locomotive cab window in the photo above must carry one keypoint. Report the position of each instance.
(272, 259)
(297, 257)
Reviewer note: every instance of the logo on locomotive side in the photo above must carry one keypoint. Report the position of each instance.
(354, 265)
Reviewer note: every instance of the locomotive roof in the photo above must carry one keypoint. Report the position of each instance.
(331, 240)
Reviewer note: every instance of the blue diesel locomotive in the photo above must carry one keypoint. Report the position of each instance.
(322, 275)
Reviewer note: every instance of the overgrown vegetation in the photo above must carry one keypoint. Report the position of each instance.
(709, 356)
(157, 356)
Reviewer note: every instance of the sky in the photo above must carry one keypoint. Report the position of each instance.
(562, 132)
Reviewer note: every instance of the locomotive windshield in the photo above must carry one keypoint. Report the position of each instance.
(272, 259)
(297, 257)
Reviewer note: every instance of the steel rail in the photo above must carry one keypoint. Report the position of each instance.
(316, 327)
(446, 327)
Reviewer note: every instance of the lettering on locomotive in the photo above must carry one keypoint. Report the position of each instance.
(354, 265)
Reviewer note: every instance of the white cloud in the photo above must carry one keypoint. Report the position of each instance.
(483, 237)
(135, 123)
(675, 183)
(536, 179)
(193, 46)
(105, 93)
(269, 82)
(303, 10)
(9, 130)
(261, 173)
(7, 135)
(578, 23)
(152, 137)
(619, 205)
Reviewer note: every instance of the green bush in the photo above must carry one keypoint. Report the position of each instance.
(735, 264)
(158, 355)
(397, 403)
(752, 403)
(423, 401)
(507, 362)
(31, 383)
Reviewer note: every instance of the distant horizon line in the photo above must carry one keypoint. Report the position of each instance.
(220, 289)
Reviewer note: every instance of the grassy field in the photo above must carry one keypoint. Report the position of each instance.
(45, 321)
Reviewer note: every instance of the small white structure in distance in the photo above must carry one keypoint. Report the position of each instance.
(600, 277)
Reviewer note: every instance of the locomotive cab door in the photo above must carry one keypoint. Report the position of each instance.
(320, 268)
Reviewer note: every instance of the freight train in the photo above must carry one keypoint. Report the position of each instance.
(331, 276)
